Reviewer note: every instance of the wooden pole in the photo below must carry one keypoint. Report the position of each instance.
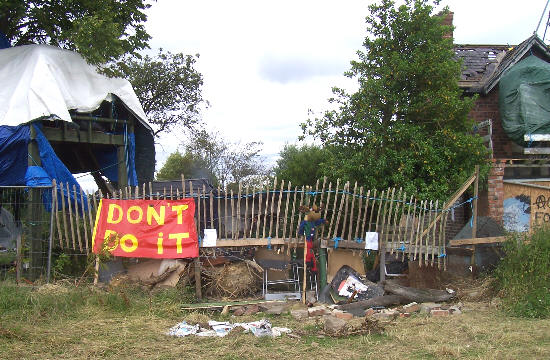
(58, 224)
(305, 271)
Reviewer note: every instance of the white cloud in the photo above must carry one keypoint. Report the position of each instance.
(266, 63)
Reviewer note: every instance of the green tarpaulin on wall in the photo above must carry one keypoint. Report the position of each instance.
(524, 99)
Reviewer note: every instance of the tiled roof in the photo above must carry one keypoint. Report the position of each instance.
(484, 64)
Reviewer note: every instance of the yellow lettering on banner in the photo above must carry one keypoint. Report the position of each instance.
(180, 209)
(126, 248)
(110, 236)
(160, 249)
(139, 212)
(152, 213)
(178, 238)
(111, 213)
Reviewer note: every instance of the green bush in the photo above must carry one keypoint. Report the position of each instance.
(523, 275)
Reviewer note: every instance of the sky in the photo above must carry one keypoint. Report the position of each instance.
(267, 63)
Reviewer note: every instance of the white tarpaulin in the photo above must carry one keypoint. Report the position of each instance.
(43, 80)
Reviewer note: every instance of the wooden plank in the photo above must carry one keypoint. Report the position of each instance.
(452, 200)
(351, 232)
(365, 215)
(345, 217)
(372, 211)
(225, 218)
(211, 197)
(475, 207)
(433, 236)
(238, 206)
(342, 200)
(476, 241)
(247, 192)
(286, 209)
(86, 239)
(323, 230)
(334, 205)
(232, 205)
(420, 221)
(399, 218)
(272, 211)
(359, 213)
(248, 242)
(73, 236)
(279, 209)
(220, 218)
(266, 209)
(81, 136)
(323, 191)
(252, 212)
(441, 242)
(58, 224)
(64, 214)
(260, 198)
(76, 216)
(299, 215)
(292, 217)
(407, 226)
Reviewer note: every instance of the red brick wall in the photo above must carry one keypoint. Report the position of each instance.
(495, 191)
(486, 107)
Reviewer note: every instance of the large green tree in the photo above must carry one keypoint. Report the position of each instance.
(407, 124)
(100, 30)
(168, 87)
(300, 165)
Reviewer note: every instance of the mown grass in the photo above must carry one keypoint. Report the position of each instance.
(76, 323)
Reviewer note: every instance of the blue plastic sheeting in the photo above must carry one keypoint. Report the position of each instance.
(108, 161)
(36, 176)
(131, 153)
(57, 170)
(14, 141)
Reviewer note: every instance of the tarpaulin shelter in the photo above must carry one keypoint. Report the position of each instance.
(60, 115)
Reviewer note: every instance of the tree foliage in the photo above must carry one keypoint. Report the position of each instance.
(168, 87)
(300, 165)
(176, 165)
(100, 30)
(407, 124)
(224, 163)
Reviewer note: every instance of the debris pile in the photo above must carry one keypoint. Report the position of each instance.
(259, 328)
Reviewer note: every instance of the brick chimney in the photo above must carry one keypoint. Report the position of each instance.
(447, 21)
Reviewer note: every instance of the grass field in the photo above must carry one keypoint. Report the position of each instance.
(64, 322)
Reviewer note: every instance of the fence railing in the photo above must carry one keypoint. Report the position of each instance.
(270, 215)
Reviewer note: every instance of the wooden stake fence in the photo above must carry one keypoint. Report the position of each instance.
(269, 215)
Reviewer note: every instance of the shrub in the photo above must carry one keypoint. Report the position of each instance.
(523, 275)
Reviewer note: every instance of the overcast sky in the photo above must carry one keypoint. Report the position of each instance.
(265, 63)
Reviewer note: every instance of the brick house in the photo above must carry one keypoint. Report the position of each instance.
(483, 68)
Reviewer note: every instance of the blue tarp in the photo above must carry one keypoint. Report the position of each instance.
(55, 169)
(108, 161)
(14, 141)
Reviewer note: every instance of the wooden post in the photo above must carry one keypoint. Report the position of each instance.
(122, 170)
(305, 271)
(198, 287)
(474, 210)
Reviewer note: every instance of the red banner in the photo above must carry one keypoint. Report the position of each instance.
(146, 228)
